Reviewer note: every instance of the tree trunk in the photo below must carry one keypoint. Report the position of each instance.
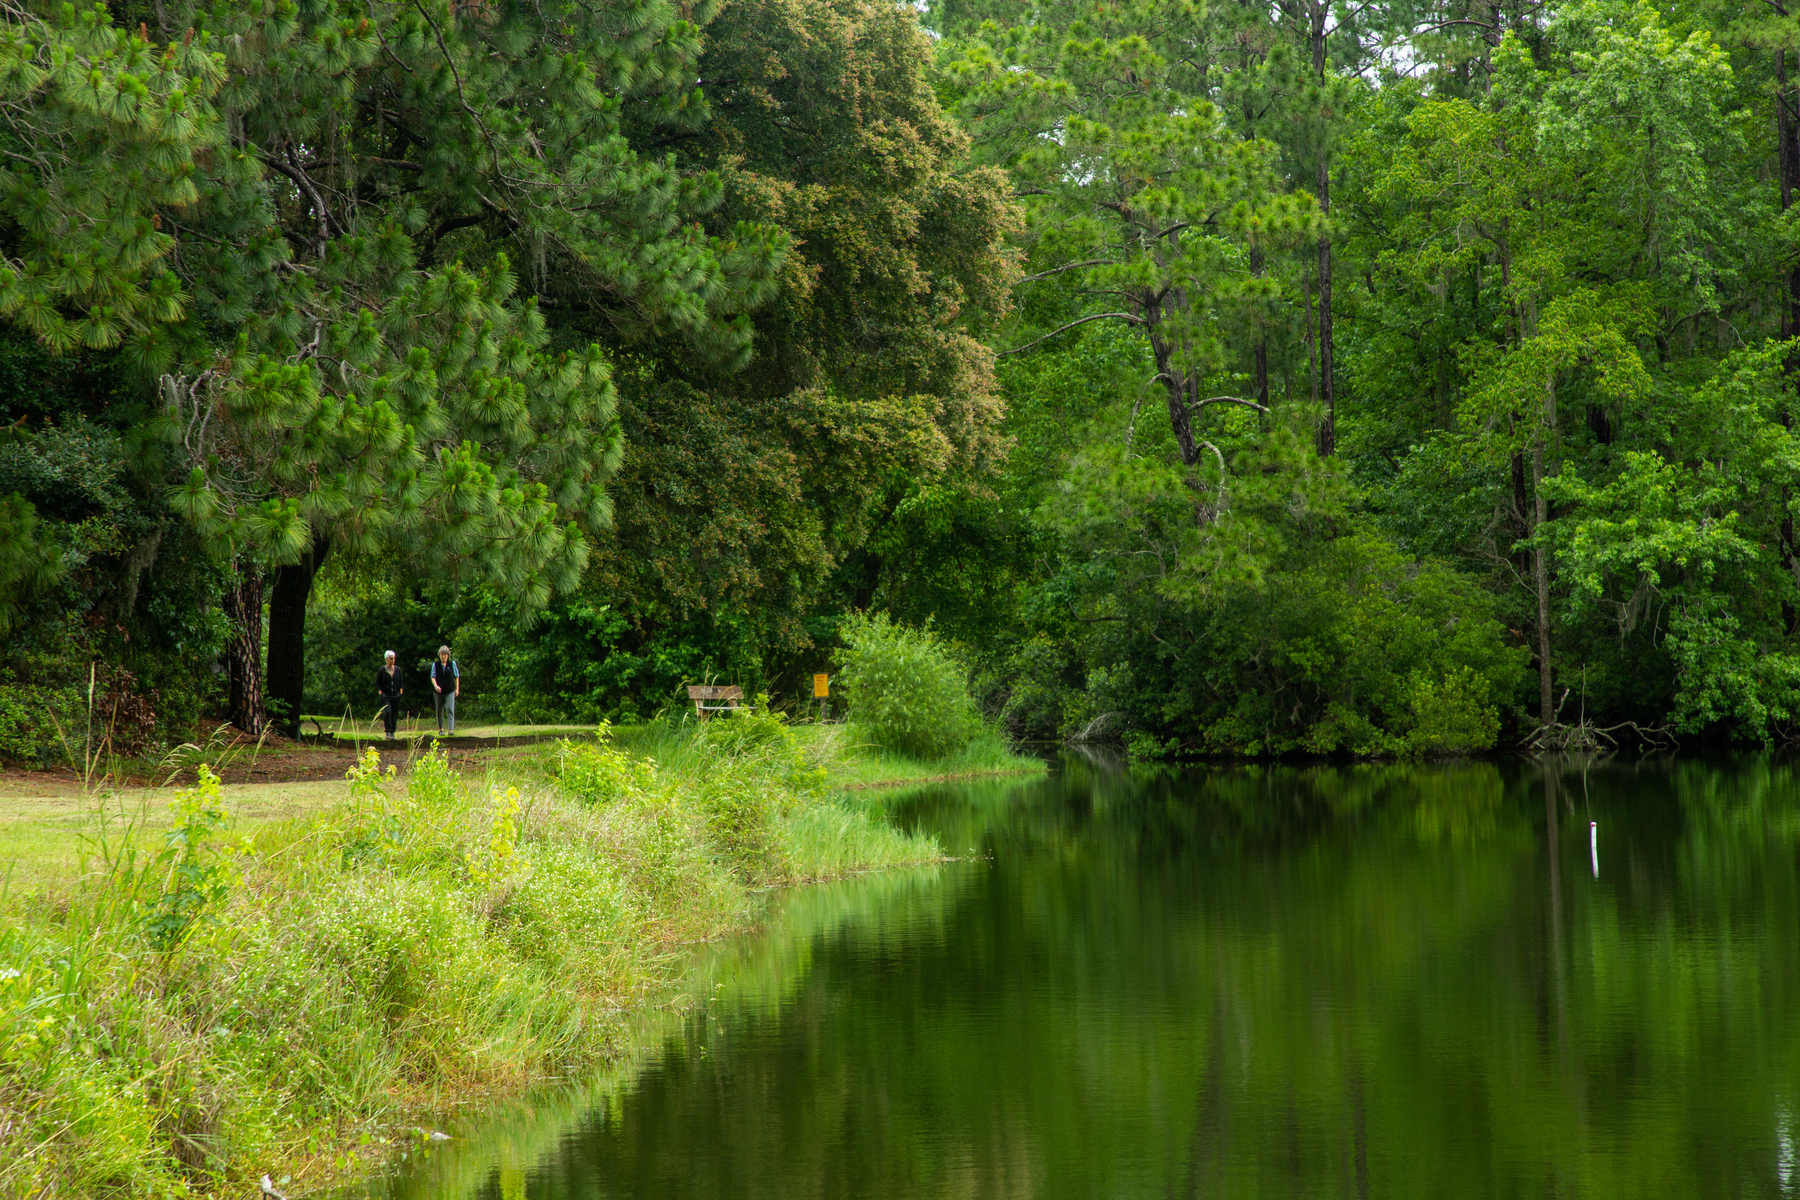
(1787, 134)
(1312, 345)
(243, 649)
(1175, 384)
(1327, 390)
(288, 594)
(1181, 422)
(1540, 566)
(1540, 571)
(1262, 337)
(1788, 150)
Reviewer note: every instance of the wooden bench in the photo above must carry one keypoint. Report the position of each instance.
(700, 693)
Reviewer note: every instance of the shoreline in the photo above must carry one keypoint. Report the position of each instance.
(380, 954)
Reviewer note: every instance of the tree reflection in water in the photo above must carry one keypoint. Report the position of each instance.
(1392, 981)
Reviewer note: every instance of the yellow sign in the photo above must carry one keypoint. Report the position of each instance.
(821, 686)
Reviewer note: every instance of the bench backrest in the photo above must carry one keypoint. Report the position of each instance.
(713, 691)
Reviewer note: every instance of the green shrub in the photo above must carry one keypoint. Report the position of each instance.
(759, 738)
(1451, 715)
(196, 874)
(572, 899)
(433, 783)
(906, 690)
(597, 772)
(376, 829)
(27, 732)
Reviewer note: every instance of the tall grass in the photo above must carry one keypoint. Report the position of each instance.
(192, 1016)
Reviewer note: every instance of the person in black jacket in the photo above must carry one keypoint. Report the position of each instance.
(390, 685)
(446, 683)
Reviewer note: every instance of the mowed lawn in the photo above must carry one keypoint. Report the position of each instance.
(48, 825)
(362, 730)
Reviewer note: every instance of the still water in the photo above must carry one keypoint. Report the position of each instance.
(1432, 981)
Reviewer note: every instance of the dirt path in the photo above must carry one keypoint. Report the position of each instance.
(277, 760)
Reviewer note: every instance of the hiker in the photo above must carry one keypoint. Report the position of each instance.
(390, 685)
(446, 686)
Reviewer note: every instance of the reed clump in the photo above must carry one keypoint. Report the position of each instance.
(295, 1000)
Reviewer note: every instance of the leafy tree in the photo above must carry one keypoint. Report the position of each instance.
(101, 130)
(747, 498)
(1584, 232)
(29, 559)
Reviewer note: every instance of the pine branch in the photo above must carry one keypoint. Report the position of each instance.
(1086, 262)
(1065, 328)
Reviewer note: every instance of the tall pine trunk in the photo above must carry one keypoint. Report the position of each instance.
(1540, 564)
(1787, 135)
(1540, 577)
(1262, 338)
(243, 604)
(1327, 388)
(288, 593)
(1787, 126)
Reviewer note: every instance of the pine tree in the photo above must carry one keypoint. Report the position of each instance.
(1135, 188)
(307, 248)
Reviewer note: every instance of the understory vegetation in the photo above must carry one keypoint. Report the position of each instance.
(203, 1003)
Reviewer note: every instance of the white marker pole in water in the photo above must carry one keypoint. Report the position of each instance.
(1594, 845)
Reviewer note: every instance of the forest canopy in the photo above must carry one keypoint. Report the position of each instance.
(1303, 377)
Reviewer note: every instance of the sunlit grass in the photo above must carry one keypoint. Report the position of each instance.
(845, 752)
(425, 728)
(383, 948)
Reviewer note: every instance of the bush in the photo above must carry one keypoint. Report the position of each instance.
(1452, 716)
(906, 690)
(27, 733)
(597, 772)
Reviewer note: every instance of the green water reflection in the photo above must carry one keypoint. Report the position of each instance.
(1377, 981)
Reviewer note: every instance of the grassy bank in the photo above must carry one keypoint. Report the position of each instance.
(189, 1001)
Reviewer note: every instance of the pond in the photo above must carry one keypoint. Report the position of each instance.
(1455, 981)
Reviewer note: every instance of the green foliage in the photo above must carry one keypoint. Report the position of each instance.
(905, 689)
(1141, 195)
(616, 383)
(1562, 394)
(1356, 649)
(742, 807)
(28, 735)
(1454, 714)
(107, 129)
(390, 390)
(745, 499)
(598, 773)
(432, 783)
(376, 829)
(496, 939)
(756, 733)
(30, 560)
(493, 862)
(198, 877)
(111, 579)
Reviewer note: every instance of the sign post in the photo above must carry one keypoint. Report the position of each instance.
(821, 690)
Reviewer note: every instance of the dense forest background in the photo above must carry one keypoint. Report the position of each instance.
(1295, 377)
